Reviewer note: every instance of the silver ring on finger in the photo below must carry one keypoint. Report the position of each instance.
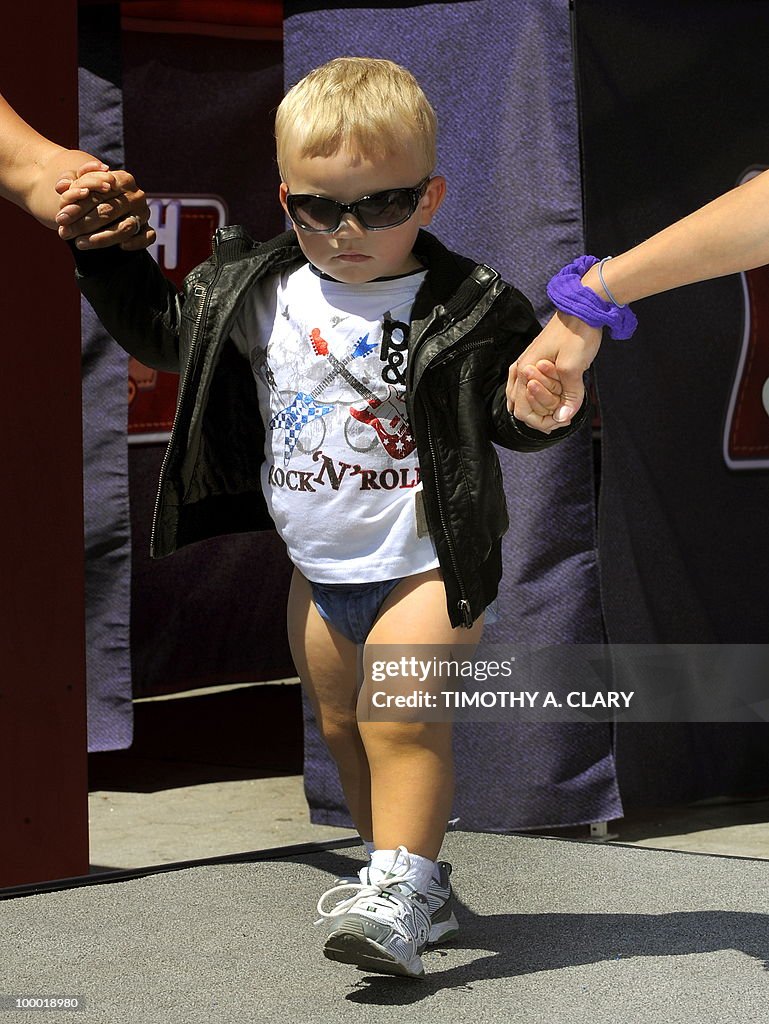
(137, 224)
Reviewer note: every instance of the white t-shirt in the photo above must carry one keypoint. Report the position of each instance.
(341, 472)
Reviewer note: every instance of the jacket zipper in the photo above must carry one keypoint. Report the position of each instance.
(459, 350)
(435, 326)
(204, 290)
(463, 604)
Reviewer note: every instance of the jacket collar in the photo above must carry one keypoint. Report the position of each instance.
(447, 270)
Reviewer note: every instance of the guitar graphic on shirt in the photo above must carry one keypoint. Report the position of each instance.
(386, 416)
(303, 409)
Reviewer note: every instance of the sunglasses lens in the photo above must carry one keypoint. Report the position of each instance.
(314, 213)
(386, 209)
(383, 210)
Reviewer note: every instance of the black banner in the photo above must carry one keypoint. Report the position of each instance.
(672, 100)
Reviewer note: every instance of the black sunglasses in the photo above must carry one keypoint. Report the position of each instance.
(377, 212)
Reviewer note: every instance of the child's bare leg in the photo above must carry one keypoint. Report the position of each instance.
(411, 763)
(327, 663)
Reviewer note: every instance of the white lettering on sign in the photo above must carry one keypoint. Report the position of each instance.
(165, 218)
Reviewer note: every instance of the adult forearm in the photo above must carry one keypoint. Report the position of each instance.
(37, 195)
(30, 166)
(726, 236)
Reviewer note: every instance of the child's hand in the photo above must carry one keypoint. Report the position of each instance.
(68, 177)
(544, 392)
(99, 208)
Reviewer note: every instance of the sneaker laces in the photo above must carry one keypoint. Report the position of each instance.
(380, 893)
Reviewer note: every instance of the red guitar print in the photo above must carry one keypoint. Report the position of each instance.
(746, 435)
(386, 416)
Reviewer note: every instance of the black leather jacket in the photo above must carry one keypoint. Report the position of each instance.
(467, 327)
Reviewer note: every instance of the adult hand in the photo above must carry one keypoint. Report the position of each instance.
(549, 400)
(100, 208)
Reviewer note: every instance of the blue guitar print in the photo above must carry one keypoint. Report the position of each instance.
(303, 409)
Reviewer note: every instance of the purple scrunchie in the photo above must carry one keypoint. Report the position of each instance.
(567, 293)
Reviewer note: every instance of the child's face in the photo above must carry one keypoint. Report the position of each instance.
(352, 253)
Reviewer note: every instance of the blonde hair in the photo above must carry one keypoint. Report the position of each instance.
(362, 104)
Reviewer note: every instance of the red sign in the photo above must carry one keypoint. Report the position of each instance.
(184, 227)
(746, 435)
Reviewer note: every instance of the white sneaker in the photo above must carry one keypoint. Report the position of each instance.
(383, 925)
(440, 902)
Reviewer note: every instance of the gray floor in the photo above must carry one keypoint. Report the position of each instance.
(158, 819)
(193, 822)
(553, 931)
(664, 921)
(637, 928)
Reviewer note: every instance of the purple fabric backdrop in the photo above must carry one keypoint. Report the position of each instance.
(501, 79)
(105, 462)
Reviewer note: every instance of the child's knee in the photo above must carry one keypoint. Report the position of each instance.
(397, 737)
(339, 729)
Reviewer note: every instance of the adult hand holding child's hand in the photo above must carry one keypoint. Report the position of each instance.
(545, 388)
(99, 208)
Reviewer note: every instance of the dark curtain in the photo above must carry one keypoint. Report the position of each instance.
(197, 113)
(214, 612)
(672, 115)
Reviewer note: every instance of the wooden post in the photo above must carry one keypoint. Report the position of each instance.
(43, 759)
